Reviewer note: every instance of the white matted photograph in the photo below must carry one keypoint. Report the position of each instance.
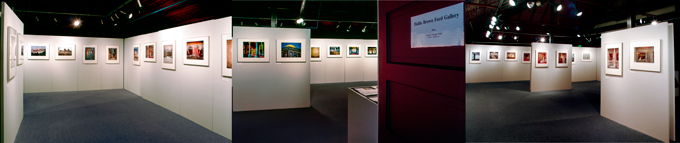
(168, 49)
(20, 49)
(511, 56)
(89, 54)
(354, 51)
(11, 53)
(541, 59)
(315, 53)
(253, 50)
(291, 50)
(371, 51)
(585, 57)
(38, 52)
(612, 59)
(135, 54)
(227, 55)
(197, 51)
(561, 59)
(112, 55)
(65, 52)
(149, 52)
(475, 57)
(526, 57)
(493, 55)
(645, 55)
(573, 55)
(334, 51)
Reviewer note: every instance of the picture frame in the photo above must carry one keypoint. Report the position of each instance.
(20, 52)
(586, 57)
(197, 51)
(510, 56)
(89, 54)
(257, 51)
(526, 57)
(11, 50)
(315, 53)
(573, 56)
(561, 59)
(227, 55)
(112, 54)
(291, 50)
(168, 59)
(38, 52)
(475, 57)
(371, 51)
(135, 54)
(354, 51)
(149, 52)
(542, 59)
(645, 55)
(334, 51)
(613, 59)
(65, 52)
(493, 55)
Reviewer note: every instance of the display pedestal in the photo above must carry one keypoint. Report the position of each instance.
(362, 119)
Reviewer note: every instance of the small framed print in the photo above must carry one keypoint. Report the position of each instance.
(253, 50)
(21, 49)
(112, 55)
(227, 55)
(315, 53)
(291, 50)
(11, 50)
(334, 51)
(66, 52)
(89, 54)
(197, 51)
(39, 52)
(526, 57)
(573, 55)
(475, 57)
(371, 51)
(585, 57)
(149, 52)
(541, 59)
(353, 51)
(135, 55)
(612, 60)
(168, 60)
(645, 55)
(561, 59)
(493, 56)
(511, 56)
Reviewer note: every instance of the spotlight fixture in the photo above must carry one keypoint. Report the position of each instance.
(517, 28)
(112, 18)
(538, 4)
(123, 12)
(530, 4)
(55, 19)
(542, 39)
(130, 17)
(579, 13)
(548, 33)
(116, 14)
(578, 35)
(364, 30)
(506, 28)
(337, 26)
(139, 3)
(500, 37)
(281, 25)
(490, 26)
(498, 28)
(36, 19)
(488, 33)
(257, 24)
(559, 7)
(654, 22)
(102, 22)
(299, 21)
(493, 18)
(76, 23)
(640, 21)
(350, 26)
(115, 24)
(512, 2)
(514, 37)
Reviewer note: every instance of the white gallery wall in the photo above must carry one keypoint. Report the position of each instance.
(496, 71)
(271, 85)
(552, 77)
(343, 69)
(199, 93)
(53, 75)
(584, 70)
(641, 100)
(12, 90)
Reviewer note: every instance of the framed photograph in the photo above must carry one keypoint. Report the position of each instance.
(493, 56)
(66, 52)
(561, 59)
(135, 55)
(89, 54)
(168, 59)
(371, 51)
(197, 51)
(612, 58)
(20, 53)
(11, 51)
(39, 52)
(526, 57)
(541, 59)
(334, 51)
(292, 50)
(475, 57)
(511, 56)
(645, 55)
(353, 51)
(585, 57)
(227, 55)
(112, 55)
(149, 52)
(315, 54)
(253, 50)
(573, 55)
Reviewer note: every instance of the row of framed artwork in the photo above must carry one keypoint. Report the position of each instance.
(68, 52)
(197, 52)
(294, 50)
(541, 59)
(353, 51)
(645, 55)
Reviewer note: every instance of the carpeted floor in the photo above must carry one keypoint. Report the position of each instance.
(509, 112)
(104, 116)
(324, 122)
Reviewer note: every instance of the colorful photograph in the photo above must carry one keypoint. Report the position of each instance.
(372, 51)
(38, 50)
(644, 54)
(89, 53)
(334, 50)
(253, 50)
(511, 55)
(493, 55)
(113, 54)
(64, 51)
(527, 57)
(136, 56)
(291, 50)
(542, 58)
(353, 50)
(229, 55)
(149, 51)
(195, 50)
(167, 54)
(475, 56)
(586, 56)
(613, 58)
(315, 52)
(562, 58)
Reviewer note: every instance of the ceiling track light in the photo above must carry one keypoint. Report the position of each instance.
(490, 26)
(281, 25)
(36, 19)
(542, 39)
(139, 3)
(578, 35)
(76, 23)
(498, 28)
(123, 12)
(112, 18)
(512, 3)
(517, 28)
(654, 22)
(116, 14)
(55, 19)
(299, 21)
(130, 17)
(488, 33)
(364, 30)
(350, 26)
(102, 22)
(530, 4)
(514, 37)
(559, 7)
(500, 37)
(579, 13)
(257, 24)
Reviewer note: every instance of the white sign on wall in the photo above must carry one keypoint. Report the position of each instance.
(440, 28)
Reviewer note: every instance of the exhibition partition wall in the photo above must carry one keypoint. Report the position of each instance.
(183, 73)
(65, 68)
(342, 68)
(491, 63)
(262, 80)
(584, 65)
(637, 87)
(13, 83)
(550, 67)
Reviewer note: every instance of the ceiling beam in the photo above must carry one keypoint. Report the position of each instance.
(59, 13)
(481, 5)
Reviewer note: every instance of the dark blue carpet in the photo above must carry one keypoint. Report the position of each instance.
(105, 116)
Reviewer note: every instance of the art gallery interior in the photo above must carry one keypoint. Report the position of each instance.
(310, 71)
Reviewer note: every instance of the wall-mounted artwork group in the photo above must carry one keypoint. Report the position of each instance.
(644, 55)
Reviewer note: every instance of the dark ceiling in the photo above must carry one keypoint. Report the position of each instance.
(110, 18)
(325, 18)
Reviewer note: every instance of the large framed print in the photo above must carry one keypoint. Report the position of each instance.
(526, 57)
(253, 50)
(291, 50)
(493, 55)
(586, 57)
(371, 51)
(149, 52)
(334, 51)
(510, 56)
(89, 54)
(38, 52)
(315, 53)
(353, 51)
(197, 51)
(11, 51)
(65, 52)
(112, 55)
(645, 55)
(135, 55)
(227, 55)
(541, 59)
(168, 60)
(561, 59)
(439, 28)
(612, 60)
(20, 49)
(475, 57)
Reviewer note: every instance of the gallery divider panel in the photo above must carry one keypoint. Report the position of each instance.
(546, 72)
(501, 69)
(12, 88)
(343, 69)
